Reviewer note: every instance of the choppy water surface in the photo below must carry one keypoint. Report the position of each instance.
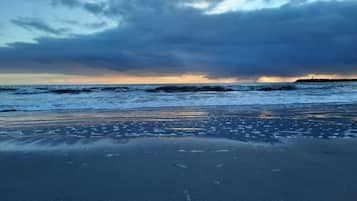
(72, 97)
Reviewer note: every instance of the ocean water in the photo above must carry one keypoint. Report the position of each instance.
(73, 97)
(284, 141)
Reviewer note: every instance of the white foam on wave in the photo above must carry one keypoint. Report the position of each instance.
(142, 99)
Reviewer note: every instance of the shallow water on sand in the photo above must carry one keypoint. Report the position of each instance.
(267, 124)
(297, 153)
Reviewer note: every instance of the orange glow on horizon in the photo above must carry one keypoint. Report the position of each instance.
(18, 79)
(23, 79)
(271, 79)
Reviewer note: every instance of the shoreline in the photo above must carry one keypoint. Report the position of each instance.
(13, 146)
(267, 124)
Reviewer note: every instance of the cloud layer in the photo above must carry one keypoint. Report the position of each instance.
(160, 37)
(35, 24)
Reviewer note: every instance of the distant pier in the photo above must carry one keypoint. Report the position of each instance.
(326, 80)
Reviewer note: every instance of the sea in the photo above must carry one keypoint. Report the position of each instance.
(122, 97)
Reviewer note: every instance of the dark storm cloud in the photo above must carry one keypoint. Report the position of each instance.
(37, 25)
(157, 36)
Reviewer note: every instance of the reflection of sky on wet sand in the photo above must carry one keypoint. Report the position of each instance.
(186, 129)
(267, 115)
(269, 124)
(45, 118)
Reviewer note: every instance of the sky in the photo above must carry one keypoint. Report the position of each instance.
(176, 41)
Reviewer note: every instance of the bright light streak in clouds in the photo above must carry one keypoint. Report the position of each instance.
(225, 6)
(245, 5)
(198, 4)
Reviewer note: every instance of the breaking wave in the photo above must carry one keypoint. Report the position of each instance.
(57, 97)
(77, 89)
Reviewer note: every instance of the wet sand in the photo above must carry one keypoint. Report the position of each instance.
(302, 153)
(184, 169)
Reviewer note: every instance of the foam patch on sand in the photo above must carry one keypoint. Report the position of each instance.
(197, 144)
(15, 146)
(216, 145)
